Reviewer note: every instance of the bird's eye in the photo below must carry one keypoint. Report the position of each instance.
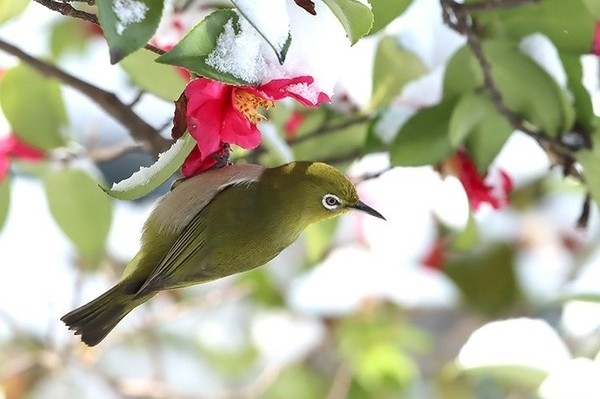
(331, 201)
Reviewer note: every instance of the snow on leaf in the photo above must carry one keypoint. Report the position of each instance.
(271, 20)
(146, 180)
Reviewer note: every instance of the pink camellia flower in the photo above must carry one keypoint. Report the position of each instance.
(218, 113)
(596, 42)
(12, 147)
(478, 191)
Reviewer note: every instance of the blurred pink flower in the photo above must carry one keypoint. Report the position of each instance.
(12, 147)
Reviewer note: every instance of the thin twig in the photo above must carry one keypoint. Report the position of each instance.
(110, 103)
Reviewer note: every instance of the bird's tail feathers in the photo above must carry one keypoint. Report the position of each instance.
(94, 320)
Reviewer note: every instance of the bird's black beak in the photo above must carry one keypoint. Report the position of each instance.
(361, 206)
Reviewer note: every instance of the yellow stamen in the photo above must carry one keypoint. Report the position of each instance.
(248, 105)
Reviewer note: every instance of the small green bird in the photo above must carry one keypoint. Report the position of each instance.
(215, 224)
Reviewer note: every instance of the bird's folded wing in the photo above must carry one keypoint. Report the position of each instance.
(187, 245)
(191, 243)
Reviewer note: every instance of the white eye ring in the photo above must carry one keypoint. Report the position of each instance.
(331, 201)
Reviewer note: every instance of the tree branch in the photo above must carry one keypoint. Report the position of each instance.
(110, 103)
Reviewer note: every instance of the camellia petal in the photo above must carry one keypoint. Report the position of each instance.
(195, 163)
(218, 113)
(298, 88)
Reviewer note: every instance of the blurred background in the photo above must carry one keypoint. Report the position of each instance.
(460, 294)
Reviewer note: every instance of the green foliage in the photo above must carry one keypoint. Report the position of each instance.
(394, 68)
(4, 200)
(462, 75)
(11, 8)
(128, 24)
(385, 11)
(33, 106)
(318, 239)
(340, 142)
(156, 174)
(297, 382)
(355, 17)
(248, 14)
(526, 88)
(593, 7)
(590, 160)
(162, 80)
(423, 139)
(485, 277)
(476, 123)
(192, 51)
(376, 347)
(468, 238)
(80, 209)
(582, 101)
(68, 35)
(569, 24)
(230, 363)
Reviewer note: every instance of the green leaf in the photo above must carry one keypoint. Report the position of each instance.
(462, 75)
(527, 89)
(385, 11)
(80, 209)
(476, 124)
(383, 363)
(487, 139)
(468, 238)
(485, 277)
(33, 106)
(163, 80)
(148, 179)
(470, 110)
(297, 382)
(128, 24)
(590, 160)
(260, 20)
(568, 24)
(423, 139)
(356, 17)
(394, 67)
(581, 97)
(4, 200)
(68, 35)
(594, 7)
(193, 49)
(11, 8)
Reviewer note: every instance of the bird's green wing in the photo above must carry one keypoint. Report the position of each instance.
(188, 260)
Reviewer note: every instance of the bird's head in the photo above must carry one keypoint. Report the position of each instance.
(324, 191)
